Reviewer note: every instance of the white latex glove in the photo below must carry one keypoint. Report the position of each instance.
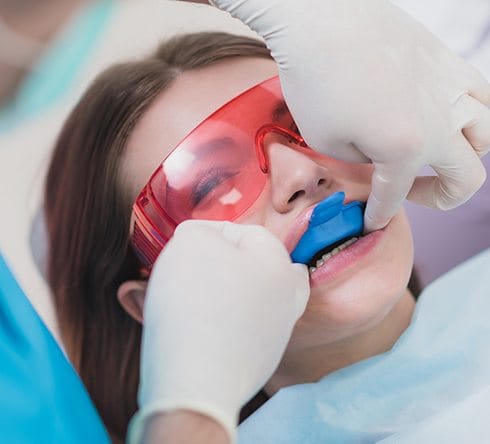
(221, 304)
(364, 74)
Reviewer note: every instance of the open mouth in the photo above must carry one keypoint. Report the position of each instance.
(328, 252)
(333, 226)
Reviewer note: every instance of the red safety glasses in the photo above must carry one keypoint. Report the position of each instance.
(217, 172)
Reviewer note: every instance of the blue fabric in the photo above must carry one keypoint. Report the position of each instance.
(42, 400)
(432, 386)
(56, 71)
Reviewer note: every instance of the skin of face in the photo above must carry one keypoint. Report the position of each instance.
(363, 303)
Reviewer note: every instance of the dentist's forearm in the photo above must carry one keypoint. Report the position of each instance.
(184, 427)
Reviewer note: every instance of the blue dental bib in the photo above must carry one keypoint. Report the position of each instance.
(330, 222)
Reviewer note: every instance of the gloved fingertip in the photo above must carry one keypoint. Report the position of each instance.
(486, 99)
(252, 238)
(193, 225)
(373, 220)
(302, 270)
(369, 222)
(302, 293)
(373, 224)
(236, 234)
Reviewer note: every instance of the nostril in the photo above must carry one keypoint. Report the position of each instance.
(296, 195)
(322, 182)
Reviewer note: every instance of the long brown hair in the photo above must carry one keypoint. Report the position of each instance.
(88, 215)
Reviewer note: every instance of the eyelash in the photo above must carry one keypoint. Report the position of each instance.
(208, 182)
(215, 177)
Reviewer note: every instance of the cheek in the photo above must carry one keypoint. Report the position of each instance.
(261, 212)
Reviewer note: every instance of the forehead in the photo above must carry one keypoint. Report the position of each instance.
(192, 97)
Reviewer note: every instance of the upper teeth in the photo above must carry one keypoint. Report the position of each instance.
(336, 250)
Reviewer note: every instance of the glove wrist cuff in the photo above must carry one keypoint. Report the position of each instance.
(138, 422)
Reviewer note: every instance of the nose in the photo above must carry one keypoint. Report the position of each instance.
(296, 179)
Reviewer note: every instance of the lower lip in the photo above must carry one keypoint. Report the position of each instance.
(346, 259)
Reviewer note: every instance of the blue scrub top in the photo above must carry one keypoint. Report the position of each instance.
(42, 399)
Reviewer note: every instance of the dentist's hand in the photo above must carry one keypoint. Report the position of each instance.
(362, 75)
(221, 304)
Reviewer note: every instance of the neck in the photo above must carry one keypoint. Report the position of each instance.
(309, 365)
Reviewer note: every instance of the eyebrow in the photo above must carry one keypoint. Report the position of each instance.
(212, 145)
(280, 110)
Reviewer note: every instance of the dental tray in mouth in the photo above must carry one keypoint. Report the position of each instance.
(331, 223)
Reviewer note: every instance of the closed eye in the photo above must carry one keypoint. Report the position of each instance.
(208, 182)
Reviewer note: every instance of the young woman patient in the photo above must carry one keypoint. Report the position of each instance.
(127, 123)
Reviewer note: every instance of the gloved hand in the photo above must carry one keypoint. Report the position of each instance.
(363, 75)
(221, 303)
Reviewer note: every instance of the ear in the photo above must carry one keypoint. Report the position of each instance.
(131, 295)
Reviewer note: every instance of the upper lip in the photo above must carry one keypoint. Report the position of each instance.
(299, 227)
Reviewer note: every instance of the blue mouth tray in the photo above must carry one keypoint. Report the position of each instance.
(330, 222)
